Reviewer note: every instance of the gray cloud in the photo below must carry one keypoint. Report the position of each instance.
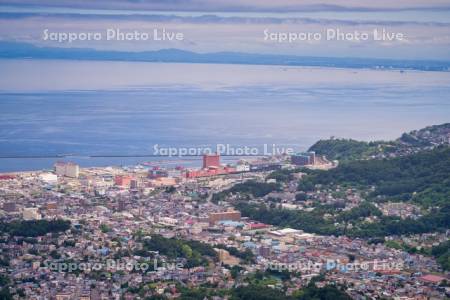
(245, 5)
(428, 33)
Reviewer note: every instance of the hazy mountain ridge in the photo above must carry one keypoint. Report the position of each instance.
(26, 50)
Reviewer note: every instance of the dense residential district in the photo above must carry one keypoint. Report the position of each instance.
(371, 224)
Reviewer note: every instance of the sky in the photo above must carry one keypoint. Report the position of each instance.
(247, 5)
(73, 106)
(240, 26)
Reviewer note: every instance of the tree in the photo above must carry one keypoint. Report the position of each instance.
(187, 251)
(104, 228)
(301, 197)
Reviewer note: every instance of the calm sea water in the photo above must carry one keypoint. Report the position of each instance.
(111, 108)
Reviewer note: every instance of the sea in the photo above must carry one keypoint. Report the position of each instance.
(100, 113)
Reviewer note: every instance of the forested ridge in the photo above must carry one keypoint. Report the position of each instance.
(422, 178)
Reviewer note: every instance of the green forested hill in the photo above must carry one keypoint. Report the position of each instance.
(423, 177)
(408, 143)
(344, 149)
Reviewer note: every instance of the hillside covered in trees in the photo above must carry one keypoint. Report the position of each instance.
(412, 142)
(345, 149)
(423, 178)
(195, 253)
(34, 228)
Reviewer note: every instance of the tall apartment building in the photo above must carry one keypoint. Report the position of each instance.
(211, 161)
(67, 169)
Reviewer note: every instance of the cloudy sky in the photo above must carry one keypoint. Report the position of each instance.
(244, 5)
(239, 26)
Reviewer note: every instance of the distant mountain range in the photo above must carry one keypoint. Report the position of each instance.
(26, 50)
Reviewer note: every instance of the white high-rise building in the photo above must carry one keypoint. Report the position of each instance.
(67, 169)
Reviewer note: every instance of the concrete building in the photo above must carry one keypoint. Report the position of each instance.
(163, 181)
(122, 205)
(211, 161)
(67, 169)
(303, 159)
(264, 251)
(9, 207)
(51, 205)
(49, 178)
(157, 172)
(243, 168)
(123, 180)
(232, 215)
(31, 213)
(225, 257)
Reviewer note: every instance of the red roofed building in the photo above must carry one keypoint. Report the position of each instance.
(258, 226)
(209, 172)
(389, 272)
(123, 180)
(432, 278)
